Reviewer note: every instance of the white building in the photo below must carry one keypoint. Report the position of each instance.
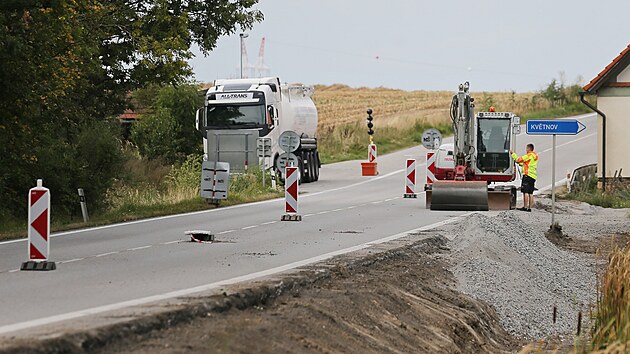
(612, 87)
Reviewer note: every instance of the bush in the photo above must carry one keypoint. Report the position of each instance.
(168, 132)
(100, 159)
(89, 158)
(187, 176)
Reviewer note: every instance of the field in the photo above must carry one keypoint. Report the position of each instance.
(400, 117)
(340, 104)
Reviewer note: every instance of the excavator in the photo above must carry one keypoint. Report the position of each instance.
(476, 172)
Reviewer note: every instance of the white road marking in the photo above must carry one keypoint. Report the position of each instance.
(546, 188)
(354, 206)
(105, 254)
(390, 199)
(186, 292)
(170, 242)
(269, 222)
(307, 215)
(338, 209)
(377, 202)
(226, 232)
(14, 270)
(166, 217)
(569, 142)
(249, 227)
(323, 212)
(71, 260)
(138, 248)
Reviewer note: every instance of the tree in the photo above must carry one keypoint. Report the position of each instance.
(66, 65)
(167, 132)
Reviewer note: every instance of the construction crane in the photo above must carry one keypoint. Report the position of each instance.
(260, 68)
(253, 71)
(476, 172)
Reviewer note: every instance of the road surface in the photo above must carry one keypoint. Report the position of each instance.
(112, 267)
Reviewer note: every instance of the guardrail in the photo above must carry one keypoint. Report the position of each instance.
(582, 177)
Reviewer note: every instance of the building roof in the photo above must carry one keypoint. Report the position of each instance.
(129, 114)
(610, 72)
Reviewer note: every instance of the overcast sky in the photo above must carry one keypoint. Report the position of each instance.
(497, 45)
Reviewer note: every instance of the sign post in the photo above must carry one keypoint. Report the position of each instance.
(554, 127)
(263, 148)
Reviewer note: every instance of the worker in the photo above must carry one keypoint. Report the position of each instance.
(529, 163)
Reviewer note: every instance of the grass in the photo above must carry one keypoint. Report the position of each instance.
(349, 141)
(618, 198)
(173, 193)
(612, 317)
(568, 110)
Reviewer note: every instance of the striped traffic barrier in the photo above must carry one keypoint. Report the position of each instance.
(38, 229)
(431, 156)
(291, 195)
(372, 153)
(410, 179)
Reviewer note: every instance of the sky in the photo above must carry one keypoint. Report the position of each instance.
(497, 45)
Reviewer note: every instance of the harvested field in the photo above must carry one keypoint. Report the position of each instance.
(340, 104)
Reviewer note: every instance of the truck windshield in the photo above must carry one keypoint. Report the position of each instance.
(235, 115)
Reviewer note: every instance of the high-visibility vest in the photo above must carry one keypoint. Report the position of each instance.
(529, 162)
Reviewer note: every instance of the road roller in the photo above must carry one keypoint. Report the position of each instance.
(476, 171)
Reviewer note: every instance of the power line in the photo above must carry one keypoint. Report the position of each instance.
(412, 62)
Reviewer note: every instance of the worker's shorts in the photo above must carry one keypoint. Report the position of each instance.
(527, 185)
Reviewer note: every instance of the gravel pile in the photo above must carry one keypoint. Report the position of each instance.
(505, 262)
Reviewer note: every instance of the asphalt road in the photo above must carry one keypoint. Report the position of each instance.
(112, 267)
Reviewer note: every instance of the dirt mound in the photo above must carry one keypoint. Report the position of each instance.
(401, 300)
(507, 263)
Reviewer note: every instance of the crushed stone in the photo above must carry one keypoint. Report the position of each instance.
(508, 262)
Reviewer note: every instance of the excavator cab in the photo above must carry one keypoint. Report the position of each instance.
(494, 141)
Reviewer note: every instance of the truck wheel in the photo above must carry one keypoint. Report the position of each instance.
(311, 172)
(315, 166)
(308, 170)
(302, 169)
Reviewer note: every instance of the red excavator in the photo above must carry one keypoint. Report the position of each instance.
(476, 172)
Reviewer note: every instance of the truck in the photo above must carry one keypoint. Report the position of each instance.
(242, 117)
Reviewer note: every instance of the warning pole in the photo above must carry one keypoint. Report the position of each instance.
(371, 152)
(291, 194)
(431, 157)
(38, 229)
(410, 179)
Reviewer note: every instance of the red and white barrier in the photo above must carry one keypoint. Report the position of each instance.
(38, 229)
(372, 153)
(291, 194)
(431, 156)
(410, 179)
